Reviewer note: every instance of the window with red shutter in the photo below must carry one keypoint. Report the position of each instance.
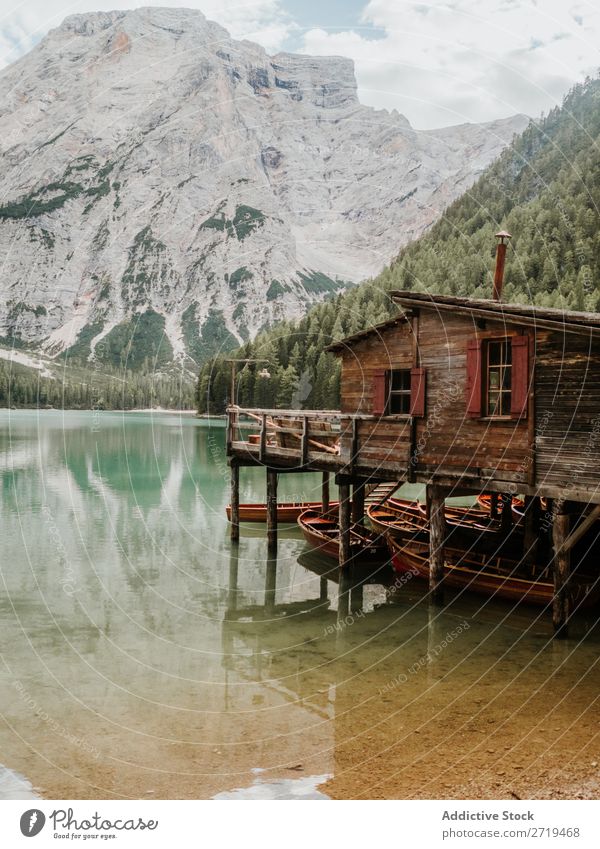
(474, 387)
(379, 392)
(520, 376)
(418, 380)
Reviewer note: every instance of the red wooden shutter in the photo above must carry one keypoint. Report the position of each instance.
(418, 379)
(379, 392)
(520, 377)
(474, 388)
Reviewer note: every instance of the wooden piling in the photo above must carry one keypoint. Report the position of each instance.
(270, 585)
(494, 505)
(562, 570)
(235, 502)
(232, 590)
(437, 535)
(532, 529)
(506, 519)
(325, 493)
(323, 594)
(345, 506)
(271, 509)
(356, 593)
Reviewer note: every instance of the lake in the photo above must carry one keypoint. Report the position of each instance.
(143, 656)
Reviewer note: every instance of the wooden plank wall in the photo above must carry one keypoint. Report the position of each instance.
(567, 390)
(445, 439)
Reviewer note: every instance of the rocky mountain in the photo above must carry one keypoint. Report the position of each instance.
(166, 191)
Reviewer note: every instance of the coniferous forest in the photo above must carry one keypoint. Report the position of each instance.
(544, 189)
(84, 390)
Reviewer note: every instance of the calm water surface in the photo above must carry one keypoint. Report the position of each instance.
(141, 656)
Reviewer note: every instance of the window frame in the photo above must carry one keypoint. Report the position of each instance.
(404, 394)
(505, 362)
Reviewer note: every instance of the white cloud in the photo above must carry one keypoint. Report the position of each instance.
(468, 60)
(438, 63)
(22, 25)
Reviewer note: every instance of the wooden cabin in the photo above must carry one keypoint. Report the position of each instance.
(464, 396)
(478, 393)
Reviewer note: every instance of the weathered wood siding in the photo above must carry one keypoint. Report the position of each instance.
(445, 440)
(567, 392)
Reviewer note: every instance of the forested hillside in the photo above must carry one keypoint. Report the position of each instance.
(79, 389)
(544, 189)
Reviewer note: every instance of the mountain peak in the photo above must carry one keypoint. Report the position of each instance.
(157, 173)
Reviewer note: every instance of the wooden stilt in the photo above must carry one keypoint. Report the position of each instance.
(325, 493)
(235, 501)
(232, 589)
(356, 594)
(271, 509)
(344, 555)
(494, 505)
(323, 594)
(562, 570)
(532, 529)
(437, 535)
(358, 503)
(506, 520)
(270, 584)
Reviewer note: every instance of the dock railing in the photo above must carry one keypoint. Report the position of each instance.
(319, 439)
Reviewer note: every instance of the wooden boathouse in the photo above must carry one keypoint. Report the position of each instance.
(465, 396)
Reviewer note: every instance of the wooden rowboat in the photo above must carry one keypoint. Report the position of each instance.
(287, 511)
(399, 517)
(323, 534)
(487, 574)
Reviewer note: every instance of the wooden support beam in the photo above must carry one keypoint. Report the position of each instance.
(356, 595)
(506, 521)
(270, 584)
(562, 570)
(582, 529)
(235, 502)
(494, 505)
(358, 503)
(271, 509)
(232, 589)
(325, 493)
(323, 594)
(531, 537)
(437, 536)
(344, 564)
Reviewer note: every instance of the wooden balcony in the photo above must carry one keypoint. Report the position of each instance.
(321, 440)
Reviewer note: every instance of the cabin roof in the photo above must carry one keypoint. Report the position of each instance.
(371, 331)
(545, 318)
(498, 310)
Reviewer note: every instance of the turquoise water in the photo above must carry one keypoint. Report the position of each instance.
(125, 672)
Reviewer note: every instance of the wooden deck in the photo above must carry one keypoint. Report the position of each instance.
(321, 440)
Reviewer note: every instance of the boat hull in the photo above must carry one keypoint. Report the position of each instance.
(287, 511)
(475, 573)
(322, 534)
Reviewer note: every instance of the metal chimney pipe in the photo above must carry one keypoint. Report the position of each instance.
(503, 238)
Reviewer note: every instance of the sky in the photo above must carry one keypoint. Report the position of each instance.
(438, 63)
